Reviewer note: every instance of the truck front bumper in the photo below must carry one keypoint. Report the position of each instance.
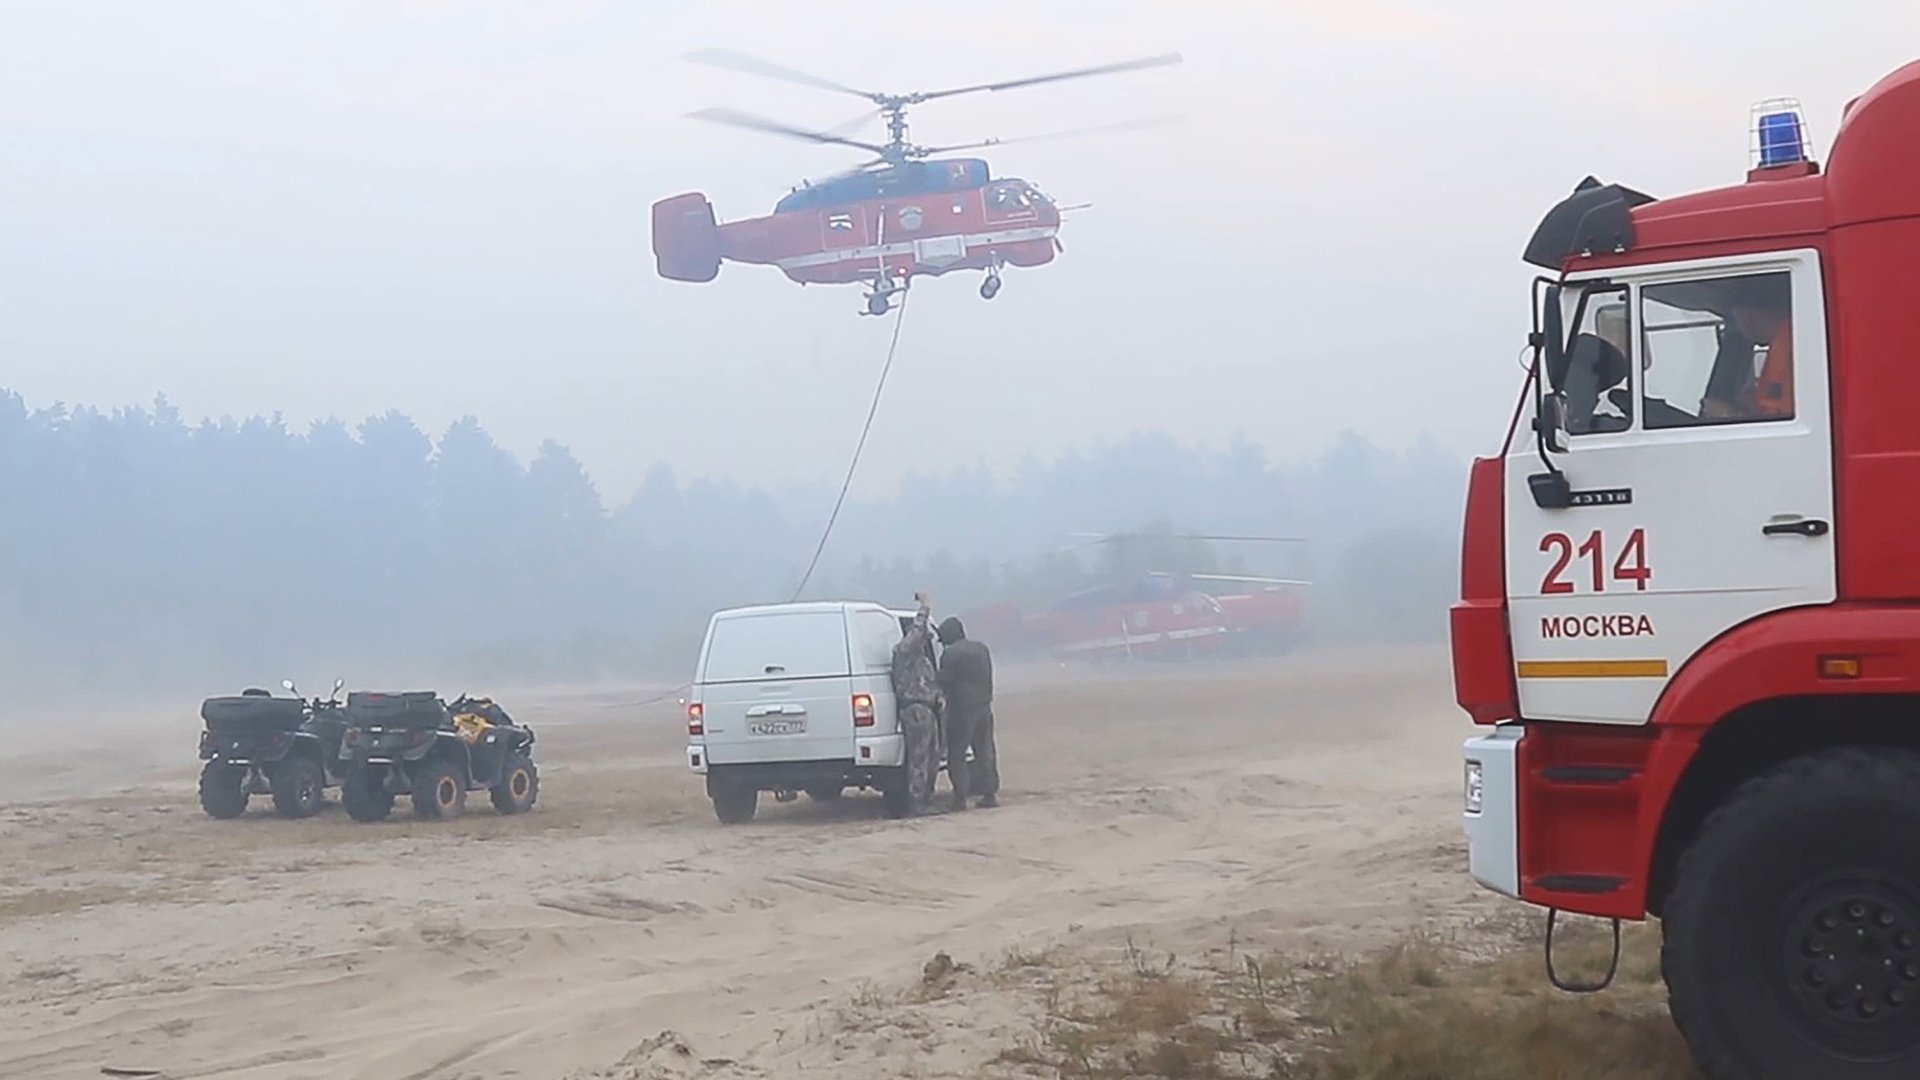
(1492, 814)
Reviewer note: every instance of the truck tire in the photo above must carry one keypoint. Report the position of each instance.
(439, 791)
(364, 793)
(734, 804)
(519, 785)
(1791, 941)
(223, 790)
(298, 784)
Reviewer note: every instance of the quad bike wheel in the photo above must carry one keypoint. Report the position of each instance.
(298, 784)
(364, 793)
(519, 786)
(223, 790)
(439, 791)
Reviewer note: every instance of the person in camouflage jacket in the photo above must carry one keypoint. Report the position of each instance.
(916, 692)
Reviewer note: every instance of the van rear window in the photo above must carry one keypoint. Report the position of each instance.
(787, 645)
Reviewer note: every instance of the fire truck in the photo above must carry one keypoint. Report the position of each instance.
(1690, 595)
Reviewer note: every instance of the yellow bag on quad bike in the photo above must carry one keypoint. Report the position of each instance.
(472, 718)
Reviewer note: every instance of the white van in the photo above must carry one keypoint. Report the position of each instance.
(797, 697)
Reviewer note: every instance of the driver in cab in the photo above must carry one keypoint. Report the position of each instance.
(1769, 396)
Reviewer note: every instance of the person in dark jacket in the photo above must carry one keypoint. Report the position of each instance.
(966, 678)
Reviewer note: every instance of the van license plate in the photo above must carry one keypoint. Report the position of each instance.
(777, 727)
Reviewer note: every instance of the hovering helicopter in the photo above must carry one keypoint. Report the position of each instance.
(906, 212)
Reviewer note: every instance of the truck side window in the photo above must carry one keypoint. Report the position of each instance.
(1598, 381)
(1718, 350)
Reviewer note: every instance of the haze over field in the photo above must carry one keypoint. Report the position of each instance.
(1297, 313)
(334, 209)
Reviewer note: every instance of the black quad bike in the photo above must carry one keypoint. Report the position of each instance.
(414, 743)
(258, 744)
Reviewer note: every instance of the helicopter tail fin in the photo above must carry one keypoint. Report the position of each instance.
(686, 239)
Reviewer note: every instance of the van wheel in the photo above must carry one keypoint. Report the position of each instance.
(896, 794)
(1792, 936)
(735, 803)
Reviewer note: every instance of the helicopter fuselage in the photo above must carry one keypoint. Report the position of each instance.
(894, 235)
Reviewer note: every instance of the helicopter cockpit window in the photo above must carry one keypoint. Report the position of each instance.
(1008, 198)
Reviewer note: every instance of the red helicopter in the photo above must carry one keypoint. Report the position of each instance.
(1156, 615)
(907, 212)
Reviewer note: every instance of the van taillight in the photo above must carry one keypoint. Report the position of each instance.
(863, 710)
(696, 716)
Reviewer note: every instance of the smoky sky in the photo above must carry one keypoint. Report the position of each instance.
(335, 208)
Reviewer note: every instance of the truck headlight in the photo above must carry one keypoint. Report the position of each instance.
(1476, 786)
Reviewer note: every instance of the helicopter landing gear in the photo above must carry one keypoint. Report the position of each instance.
(990, 288)
(880, 300)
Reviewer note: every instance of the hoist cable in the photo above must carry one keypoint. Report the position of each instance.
(873, 409)
(899, 317)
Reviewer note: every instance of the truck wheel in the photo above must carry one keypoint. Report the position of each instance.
(297, 783)
(519, 786)
(223, 790)
(439, 791)
(364, 793)
(1792, 936)
(735, 803)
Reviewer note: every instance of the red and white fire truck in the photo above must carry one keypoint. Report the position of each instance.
(1690, 595)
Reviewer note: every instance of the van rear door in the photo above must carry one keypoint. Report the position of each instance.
(777, 686)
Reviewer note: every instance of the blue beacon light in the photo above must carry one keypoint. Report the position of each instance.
(1782, 139)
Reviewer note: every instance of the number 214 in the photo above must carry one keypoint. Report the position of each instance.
(1631, 565)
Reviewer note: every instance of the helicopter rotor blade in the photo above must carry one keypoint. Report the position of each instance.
(843, 130)
(1070, 133)
(767, 69)
(1079, 73)
(737, 119)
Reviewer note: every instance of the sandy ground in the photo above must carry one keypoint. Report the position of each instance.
(1309, 803)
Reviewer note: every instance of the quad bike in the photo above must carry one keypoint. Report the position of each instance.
(416, 744)
(258, 744)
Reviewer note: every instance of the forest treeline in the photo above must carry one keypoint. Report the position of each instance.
(142, 551)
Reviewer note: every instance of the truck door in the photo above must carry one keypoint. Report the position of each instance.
(1702, 480)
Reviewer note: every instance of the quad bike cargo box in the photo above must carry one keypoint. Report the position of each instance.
(407, 709)
(247, 714)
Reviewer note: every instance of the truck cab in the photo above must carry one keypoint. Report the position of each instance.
(1690, 594)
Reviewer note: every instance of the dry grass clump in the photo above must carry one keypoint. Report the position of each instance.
(1414, 1013)
(1429, 1008)
(1151, 1017)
